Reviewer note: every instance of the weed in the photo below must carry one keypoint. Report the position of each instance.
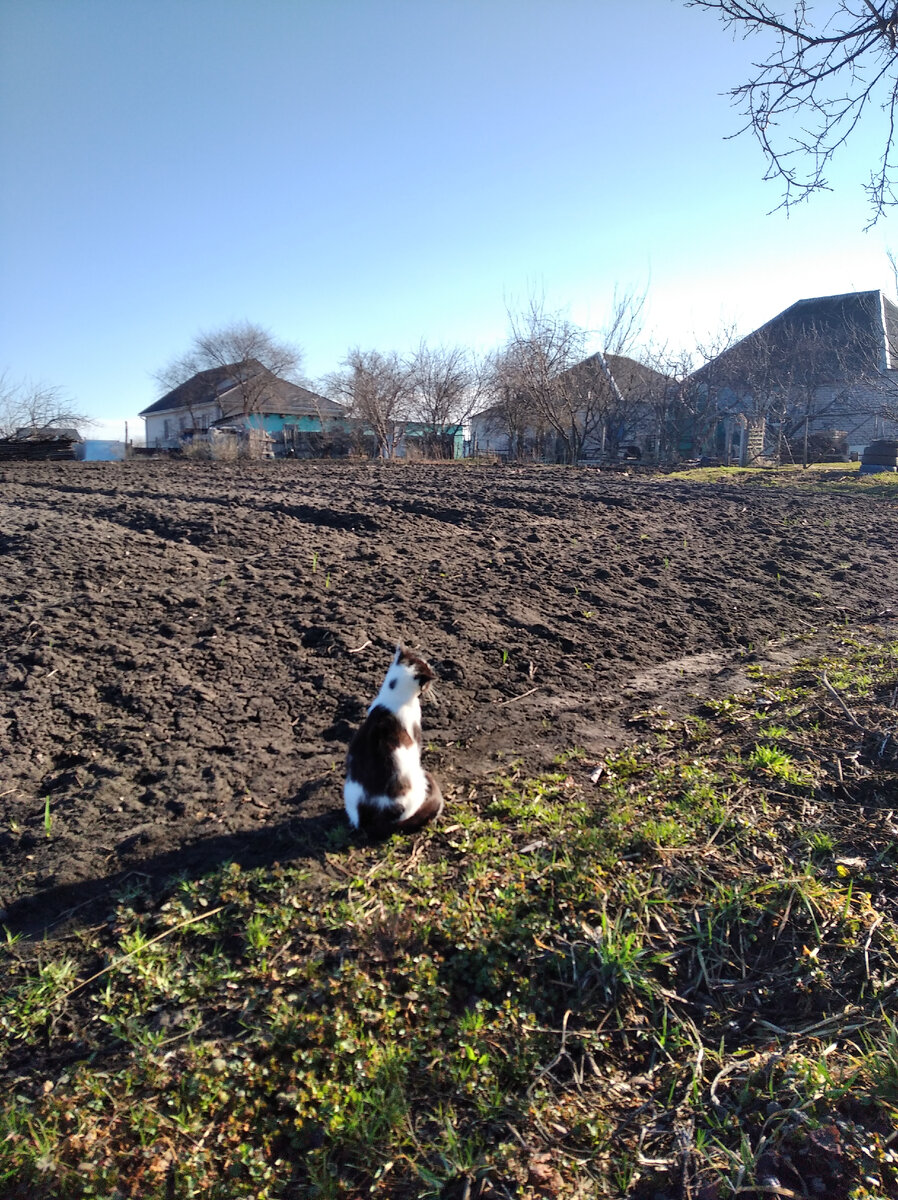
(819, 843)
(776, 763)
(880, 1063)
(40, 999)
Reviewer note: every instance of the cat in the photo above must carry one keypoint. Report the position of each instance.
(386, 789)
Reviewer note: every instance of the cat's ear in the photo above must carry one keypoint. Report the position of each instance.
(399, 651)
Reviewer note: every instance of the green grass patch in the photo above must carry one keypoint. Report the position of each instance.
(740, 475)
(679, 964)
(840, 477)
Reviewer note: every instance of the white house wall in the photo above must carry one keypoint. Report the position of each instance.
(164, 429)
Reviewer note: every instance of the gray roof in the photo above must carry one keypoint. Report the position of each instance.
(629, 375)
(201, 388)
(632, 377)
(851, 335)
(863, 325)
(222, 385)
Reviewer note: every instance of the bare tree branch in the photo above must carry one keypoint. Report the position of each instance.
(541, 350)
(820, 78)
(27, 405)
(547, 387)
(251, 355)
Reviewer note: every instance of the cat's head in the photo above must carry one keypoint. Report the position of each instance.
(408, 676)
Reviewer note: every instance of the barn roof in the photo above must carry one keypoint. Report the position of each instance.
(864, 325)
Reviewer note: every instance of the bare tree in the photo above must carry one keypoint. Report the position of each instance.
(536, 365)
(446, 387)
(615, 391)
(377, 389)
(884, 402)
(666, 401)
(825, 69)
(695, 414)
(543, 382)
(27, 405)
(512, 411)
(784, 379)
(250, 357)
(875, 378)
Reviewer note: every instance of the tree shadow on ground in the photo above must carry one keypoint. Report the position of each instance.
(55, 910)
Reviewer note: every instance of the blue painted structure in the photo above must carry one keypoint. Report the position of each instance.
(101, 450)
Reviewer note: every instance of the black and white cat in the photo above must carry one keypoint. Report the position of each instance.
(387, 790)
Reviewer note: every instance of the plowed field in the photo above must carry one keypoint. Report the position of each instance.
(187, 647)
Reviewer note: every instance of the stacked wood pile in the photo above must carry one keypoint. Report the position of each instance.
(39, 446)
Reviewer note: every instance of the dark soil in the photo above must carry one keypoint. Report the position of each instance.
(188, 647)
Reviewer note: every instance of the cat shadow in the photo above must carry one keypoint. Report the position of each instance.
(305, 837)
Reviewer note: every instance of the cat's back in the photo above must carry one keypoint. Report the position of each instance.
(371, 760)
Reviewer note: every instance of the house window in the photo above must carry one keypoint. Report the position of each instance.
(166, 429)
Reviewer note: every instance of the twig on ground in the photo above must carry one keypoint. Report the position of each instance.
(502, 703)
(152, 942)
(872, 930)
(769, 1189)
(719, 1077)
(841, 703)
(562, 1053)
(828, 1025)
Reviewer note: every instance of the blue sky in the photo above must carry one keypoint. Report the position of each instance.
(371, 172)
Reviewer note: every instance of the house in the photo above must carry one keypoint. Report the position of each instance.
(624, 407)
(822, 373)
(603, 408)
(244, 401)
